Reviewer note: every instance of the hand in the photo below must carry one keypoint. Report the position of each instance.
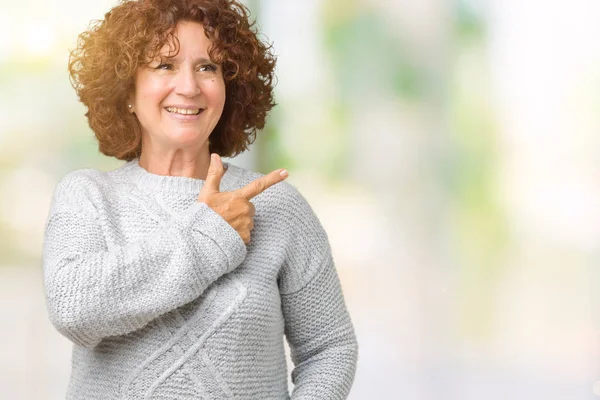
(235, 206)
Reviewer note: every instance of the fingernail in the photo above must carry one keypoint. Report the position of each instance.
(213, 158)
(283, 173)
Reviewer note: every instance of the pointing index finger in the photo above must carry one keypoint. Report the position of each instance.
(263, 183)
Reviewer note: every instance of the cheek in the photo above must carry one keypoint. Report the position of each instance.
(150, 92)
(215, 92)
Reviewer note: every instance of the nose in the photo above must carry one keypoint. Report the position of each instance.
(187, 84)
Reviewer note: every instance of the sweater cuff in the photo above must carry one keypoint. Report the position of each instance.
(205, 220)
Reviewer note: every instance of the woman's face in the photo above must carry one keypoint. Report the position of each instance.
(178, 101)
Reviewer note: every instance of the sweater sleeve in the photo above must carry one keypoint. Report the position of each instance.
(94, 292)
(318, 328)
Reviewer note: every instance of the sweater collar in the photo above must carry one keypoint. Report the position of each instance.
(180, 184)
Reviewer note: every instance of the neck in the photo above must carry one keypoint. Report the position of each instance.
(176, 162)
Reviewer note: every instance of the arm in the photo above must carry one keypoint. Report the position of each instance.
(317, 325)
(93, 292)
(321, 338)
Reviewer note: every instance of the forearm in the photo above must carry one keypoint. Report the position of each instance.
(93, 292)
(321, 336)
(327, 374)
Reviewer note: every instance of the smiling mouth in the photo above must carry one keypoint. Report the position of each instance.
(184, 111)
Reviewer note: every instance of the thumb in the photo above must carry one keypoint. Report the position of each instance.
(215, 173)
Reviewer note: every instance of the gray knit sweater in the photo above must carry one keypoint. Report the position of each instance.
(163, 300)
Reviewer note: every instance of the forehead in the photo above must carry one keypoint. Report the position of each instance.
(186, 37)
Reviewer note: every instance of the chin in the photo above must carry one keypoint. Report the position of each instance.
(187, 137)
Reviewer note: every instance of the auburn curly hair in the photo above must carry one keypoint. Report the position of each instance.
(103, 65)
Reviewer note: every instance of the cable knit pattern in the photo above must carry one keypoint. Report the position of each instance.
(163, 300)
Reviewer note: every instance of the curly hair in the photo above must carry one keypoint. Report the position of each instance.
(102, 69)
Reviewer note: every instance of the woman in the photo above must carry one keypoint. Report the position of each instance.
(176, 276)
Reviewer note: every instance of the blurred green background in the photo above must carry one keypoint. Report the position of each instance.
(450, 149)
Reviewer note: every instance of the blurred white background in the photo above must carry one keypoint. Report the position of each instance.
(451, 150)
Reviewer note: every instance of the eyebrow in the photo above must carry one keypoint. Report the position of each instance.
(199, 60)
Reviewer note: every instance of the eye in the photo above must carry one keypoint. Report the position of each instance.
(208, 68)
(164, 66)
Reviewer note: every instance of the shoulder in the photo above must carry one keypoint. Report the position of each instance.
(80, 189)
(299, 230)
(283, 198)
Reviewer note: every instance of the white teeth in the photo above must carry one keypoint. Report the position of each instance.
(184, 111)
